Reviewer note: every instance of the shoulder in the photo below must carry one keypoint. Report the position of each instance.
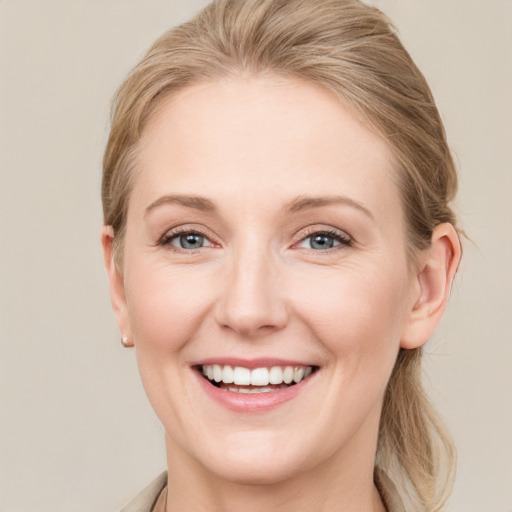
(146, 499)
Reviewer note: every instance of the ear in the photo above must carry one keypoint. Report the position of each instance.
(116, 284)
(433, 280)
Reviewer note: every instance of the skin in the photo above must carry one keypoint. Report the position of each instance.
(259, 288)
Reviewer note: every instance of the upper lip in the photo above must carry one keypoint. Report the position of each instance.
(260, 362)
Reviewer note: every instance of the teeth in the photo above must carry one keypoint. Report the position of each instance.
(217, 373)
(252, 390)
(298, 375)
(228, 375)
(242, 376)
(249, 391)
(275, 375)
(288, 375)
(261, 377)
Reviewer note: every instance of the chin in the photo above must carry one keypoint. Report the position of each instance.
(255, 472)
(255, 463)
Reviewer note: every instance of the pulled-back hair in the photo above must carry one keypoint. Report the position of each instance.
(353, 51)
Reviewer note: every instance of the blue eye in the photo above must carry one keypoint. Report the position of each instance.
(188, 240)
(322, 241)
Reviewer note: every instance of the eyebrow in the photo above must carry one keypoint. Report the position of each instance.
(305, 202)
(299, 204)
(196, 202)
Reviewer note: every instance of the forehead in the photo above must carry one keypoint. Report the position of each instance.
(262, 137)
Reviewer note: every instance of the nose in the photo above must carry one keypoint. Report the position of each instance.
(253, 300)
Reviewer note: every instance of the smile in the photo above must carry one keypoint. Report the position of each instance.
(239, 379)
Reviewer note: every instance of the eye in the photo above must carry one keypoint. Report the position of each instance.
(324, 240)
(186, 240)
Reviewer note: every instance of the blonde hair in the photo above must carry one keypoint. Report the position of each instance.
(352, 50)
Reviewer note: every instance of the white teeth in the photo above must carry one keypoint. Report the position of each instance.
(298, 374)
(261, 377)
(288, 375)
(276, 375)
(249, 391)
(252, 390)
(227, 374)
(242, 376)
(217, 373)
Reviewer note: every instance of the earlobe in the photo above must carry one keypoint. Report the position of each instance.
(116, 285)
(434, 280)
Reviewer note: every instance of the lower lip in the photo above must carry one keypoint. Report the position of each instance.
(251, 402)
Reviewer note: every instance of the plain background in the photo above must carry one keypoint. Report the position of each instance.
(76, 433)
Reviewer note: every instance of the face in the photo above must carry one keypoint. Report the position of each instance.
(265, 243)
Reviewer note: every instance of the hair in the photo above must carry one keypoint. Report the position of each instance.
(352, 50)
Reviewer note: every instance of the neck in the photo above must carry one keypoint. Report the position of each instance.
(345, 486)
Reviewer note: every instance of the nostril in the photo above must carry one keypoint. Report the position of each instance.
(247, 325)
(251, 303)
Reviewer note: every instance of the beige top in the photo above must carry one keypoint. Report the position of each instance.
(148, 500)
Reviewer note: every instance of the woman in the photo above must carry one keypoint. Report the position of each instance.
(280, 245)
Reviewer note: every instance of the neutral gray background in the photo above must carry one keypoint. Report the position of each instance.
(76, 433)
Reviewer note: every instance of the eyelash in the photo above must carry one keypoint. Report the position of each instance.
(166, 241)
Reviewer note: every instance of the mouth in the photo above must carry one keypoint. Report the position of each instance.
(238, 379)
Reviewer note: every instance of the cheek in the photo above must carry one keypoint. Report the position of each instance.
(357, 311)
(358, 318)
(165, 306)
(167, 309)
